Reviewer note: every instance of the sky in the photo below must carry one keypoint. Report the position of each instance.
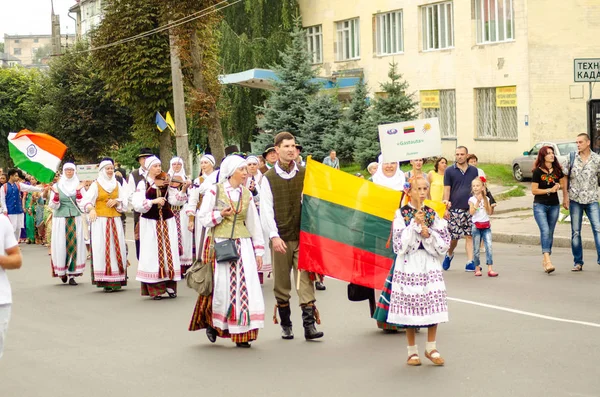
(33, 16)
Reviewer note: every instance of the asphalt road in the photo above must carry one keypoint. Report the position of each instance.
(78, 341)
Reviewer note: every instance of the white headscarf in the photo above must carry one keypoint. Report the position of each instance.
(252, 159)
(210, 158)
(395, 182)
(150, 161)
(229, 165)
(180, 174)
(258, 176)
(108, 184)
(68, 185)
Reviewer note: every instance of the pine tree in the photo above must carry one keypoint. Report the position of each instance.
(286, 107)
(395, 106)
(322, 120)
(351, 126)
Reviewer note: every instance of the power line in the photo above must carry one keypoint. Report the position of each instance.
(199, 14)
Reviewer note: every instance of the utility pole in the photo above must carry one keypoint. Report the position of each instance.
(181, 135)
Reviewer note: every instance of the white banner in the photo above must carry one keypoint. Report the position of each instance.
(410, 140)
(87, 172)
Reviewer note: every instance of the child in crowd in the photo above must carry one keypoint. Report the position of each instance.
(414, 293)
(481, 209)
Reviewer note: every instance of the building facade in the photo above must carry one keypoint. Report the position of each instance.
(497, 73)
(32, 49)
(88, 16)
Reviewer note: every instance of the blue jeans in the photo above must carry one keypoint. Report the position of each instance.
(546, 217)
(478, 235)
(593, 213)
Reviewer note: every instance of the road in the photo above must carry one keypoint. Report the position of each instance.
(78, 341)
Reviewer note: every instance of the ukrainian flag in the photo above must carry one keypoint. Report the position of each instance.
(161, 123)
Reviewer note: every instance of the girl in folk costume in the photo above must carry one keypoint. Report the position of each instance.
(391, 176)
(236, 307)
(414, 294)
(206, 179)
(68, 248)
(185, 237)
(159, 268)
(105, 200)
(253, 183)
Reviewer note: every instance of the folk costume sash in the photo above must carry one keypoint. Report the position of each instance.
(234, 268)
(111, 235)
(71, 243)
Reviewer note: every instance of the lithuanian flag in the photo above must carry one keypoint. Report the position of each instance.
(36, 153)
(346, 223)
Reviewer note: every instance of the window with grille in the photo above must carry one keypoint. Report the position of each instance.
(16, 51)
(314, 41)
(437, 26)
(496, 116)
(388, 33)
(445, 112)
(495, 21)
(348, 40)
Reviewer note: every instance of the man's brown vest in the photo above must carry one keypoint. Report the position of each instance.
(287, 194)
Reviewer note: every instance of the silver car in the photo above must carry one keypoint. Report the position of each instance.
(522, 166)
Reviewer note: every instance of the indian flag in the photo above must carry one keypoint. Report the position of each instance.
(346, 223)
(36, 153)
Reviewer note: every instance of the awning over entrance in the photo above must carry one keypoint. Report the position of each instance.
(264, 78)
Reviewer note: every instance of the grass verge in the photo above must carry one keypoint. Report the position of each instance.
(519, 191)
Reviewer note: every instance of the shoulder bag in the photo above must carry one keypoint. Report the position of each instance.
(226, 251)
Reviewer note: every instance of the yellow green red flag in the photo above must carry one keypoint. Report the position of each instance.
(346, 223)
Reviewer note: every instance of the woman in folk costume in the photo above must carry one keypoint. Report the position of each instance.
(105, 200)
(68, 249)
(253, 183)
(185, 237)
(236, 308)
(206, 179)
(391, 176)
(159, 268)
(414, 294)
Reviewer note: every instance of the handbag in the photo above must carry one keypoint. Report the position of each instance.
(199, 277)
(226, 251)
(482, 225)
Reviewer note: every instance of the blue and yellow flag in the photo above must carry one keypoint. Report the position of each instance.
(161, 123)
(170, 122)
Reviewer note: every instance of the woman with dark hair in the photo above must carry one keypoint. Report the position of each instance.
(547, 173)
(436, 179)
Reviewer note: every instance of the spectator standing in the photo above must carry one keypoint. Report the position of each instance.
(436, 179)
(457, 190)
(581, 196)
(10, 259)
(332, 160)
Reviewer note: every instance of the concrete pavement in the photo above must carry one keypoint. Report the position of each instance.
(78, 341)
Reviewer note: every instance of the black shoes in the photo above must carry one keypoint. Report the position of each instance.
(286, 332)
(72, 281)
(320, 286)
(286, 323)
(245, 345)
(64, 279)
(308, 321)
(211, 334)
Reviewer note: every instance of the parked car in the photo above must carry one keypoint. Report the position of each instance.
(522, 166)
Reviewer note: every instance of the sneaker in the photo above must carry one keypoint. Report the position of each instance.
(447, 261)
(470, 267)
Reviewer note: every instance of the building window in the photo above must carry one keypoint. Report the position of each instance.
(314, 38)
(348, 40)
(17, 41)
(495, 20)
(437, 26)
(16, 51)
(36, 40)
(388, 33)
(497, 112)
(441, 104)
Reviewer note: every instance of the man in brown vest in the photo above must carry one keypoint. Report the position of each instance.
(280, 208)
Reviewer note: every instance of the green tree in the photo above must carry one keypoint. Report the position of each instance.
(352, 125)
(137, 73)
(321, 122)
(17, 108)
(76, 108)
(395, 106)
(41, 53)
(252, 34)
(287, 106)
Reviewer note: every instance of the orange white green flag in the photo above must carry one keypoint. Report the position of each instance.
(345, 226)
(36, 153)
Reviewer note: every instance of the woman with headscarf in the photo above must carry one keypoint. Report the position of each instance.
(206, 179)
(159, 268)
(185, 242)
(104, 201)
(236, 308)
(389, 175)
(68, 249)
(253, 183)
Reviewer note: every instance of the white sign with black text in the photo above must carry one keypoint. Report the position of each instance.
(410, 140)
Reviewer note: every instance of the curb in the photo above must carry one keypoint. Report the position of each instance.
(506, 211)
(528, 239)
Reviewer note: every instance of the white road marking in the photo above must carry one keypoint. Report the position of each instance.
(524, 313)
